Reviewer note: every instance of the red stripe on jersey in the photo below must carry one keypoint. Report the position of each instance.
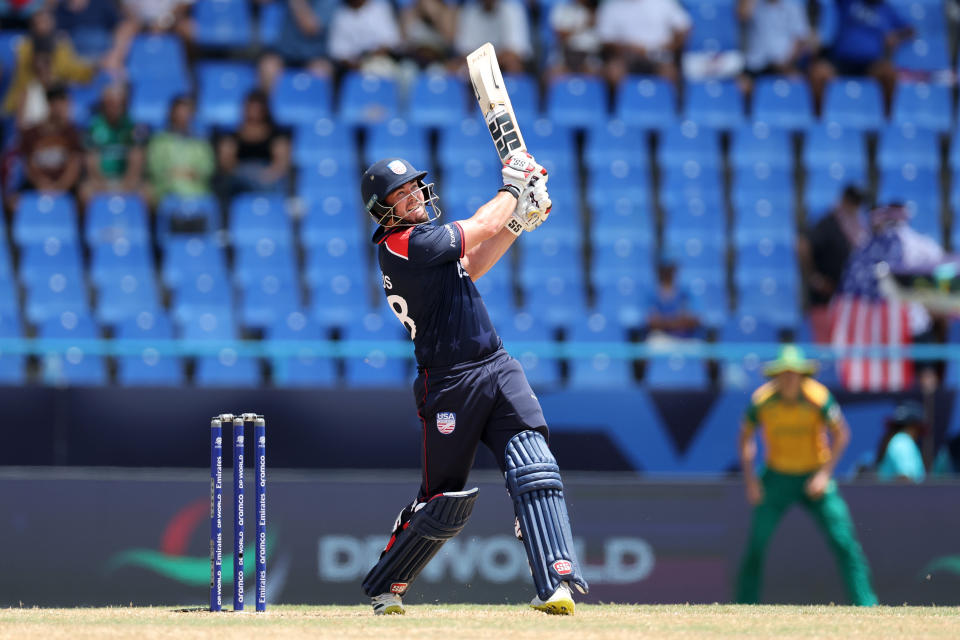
(463, 244)
(399, 244)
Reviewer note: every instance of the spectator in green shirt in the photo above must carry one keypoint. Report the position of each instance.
(179, 163)
(898, 456)
(114, 145)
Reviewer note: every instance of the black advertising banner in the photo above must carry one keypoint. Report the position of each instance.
(98, 537)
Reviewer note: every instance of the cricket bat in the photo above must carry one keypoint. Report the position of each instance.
(494, 100)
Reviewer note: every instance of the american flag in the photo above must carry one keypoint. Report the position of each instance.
(862, 317)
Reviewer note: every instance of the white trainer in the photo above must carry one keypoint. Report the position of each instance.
(560, 603)
(387, 604)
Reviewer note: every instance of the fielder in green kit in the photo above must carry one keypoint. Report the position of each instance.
(795, 414)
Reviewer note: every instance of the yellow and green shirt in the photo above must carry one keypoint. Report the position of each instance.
(795, 433)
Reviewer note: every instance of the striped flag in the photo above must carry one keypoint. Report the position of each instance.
(860, 316)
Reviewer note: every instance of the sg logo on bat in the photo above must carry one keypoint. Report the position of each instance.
(503, 132)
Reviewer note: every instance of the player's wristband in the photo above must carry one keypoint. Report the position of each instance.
(512, 190)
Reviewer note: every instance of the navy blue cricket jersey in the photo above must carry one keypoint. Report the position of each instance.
(435, 299)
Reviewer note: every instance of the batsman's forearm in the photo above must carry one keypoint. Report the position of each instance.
(488, 221)
(481, 258)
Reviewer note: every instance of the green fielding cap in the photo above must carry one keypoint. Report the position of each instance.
(790, 358)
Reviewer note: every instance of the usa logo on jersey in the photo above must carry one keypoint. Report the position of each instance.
(446, 422)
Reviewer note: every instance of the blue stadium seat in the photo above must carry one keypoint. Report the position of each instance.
(716, 104)
(326, 213)
(272, 15)
(620, 256)
(323, 140)
(576, 101)
(200, 292)
(9, 297)
(555, 146)
(520, 329)
(396, 138)
(927, 16)
(157, 56)
(184, 257)
(367, 99)
(555, 300)
(549, 252)
(222, 87)
(689, 142)
(224, 24)
(109, 262)
(830, 143)
(375, 368)
(714, 26)
(925, 106)
(925, 54)
(676, 372)
(256, 216)
(266, 300)
(703, 257)
(688, 182)
(72, 366)
(624, 298)
(227, 369)
(759, 142)
(150, 368)
(607, 184)
(38, 262)
(524, 96)
(747, 328)
(265, 258)
(466, 138)
(340, 299)
(126, 297)
(58, 294)
(647, 102)
(339, 253)
(602, 369)
(213, 324)
(306, 368)
(615, 140)
(824, 185)
(770, 299)
(177, 215)
(918, 188)
(855, 103)
(40, 216)
(470, 174)
(12, 369)
(762, 179)
(150, 98)
(695, 219)
(766, 255)
(783, 103)
(908, 144)
(441, 100)
(300, 98)
(112, 216)
(746, 373)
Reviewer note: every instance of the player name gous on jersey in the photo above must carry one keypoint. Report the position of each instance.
(431, 294)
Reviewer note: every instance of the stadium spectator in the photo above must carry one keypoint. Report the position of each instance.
(868, 32)
(778, 36)
(158, 16)
(898, 456)
(795, 413)
(178, 162)
(577, 47)
(502, 23)
(255, 157)
(270, 66)
(98, 30)
(115, 155)
(671, 309)
(429, 28)
(303, 34)
(51, 150)
(365, 34)
(45, 58)
(823, 252)
(642, 36)
(861, 303)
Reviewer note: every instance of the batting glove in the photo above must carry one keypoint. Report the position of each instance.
(532, 208)
(517, 171)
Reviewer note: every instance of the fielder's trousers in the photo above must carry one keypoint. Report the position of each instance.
(781, 491)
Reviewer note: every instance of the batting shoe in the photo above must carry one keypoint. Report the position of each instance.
(387, 604)
(559, 604)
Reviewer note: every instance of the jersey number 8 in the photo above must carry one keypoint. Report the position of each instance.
(399, 307)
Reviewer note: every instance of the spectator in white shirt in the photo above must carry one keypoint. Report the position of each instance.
(642, 36)
(502, 23)
(361, 29)
(778, 36)
(577, 47)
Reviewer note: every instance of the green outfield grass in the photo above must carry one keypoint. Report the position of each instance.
(493, 622)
